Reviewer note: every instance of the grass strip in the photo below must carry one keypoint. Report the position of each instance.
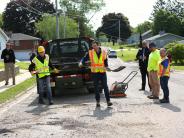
(12, 92)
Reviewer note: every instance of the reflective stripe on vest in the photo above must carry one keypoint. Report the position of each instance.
(161, 67)
(97, 64)
(42, 68)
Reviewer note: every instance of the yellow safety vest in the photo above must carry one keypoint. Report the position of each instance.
(42, 68)
(161, 67)
(97, 64)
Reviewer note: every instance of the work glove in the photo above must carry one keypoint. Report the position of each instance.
(80, 65)
(56, 71)
(34, 72)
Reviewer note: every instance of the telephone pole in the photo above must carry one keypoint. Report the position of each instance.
(57, 20)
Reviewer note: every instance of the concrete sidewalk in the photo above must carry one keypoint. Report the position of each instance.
(21, 77)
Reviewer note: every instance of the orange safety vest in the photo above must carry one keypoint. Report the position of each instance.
(97, 64)
(167, 73)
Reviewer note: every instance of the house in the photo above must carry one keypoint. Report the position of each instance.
(3, 39)
(163, 39)
(23, 45)
(181, 42)
(147, 35)
(133, 39)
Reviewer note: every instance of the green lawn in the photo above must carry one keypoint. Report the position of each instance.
(14, 91)
(127, 55)
(22, 65)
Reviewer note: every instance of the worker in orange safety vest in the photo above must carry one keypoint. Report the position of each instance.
(99, 63)
(164, 74)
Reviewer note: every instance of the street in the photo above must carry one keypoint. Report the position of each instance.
(76, 115)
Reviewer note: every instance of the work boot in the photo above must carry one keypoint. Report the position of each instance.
(97, 104)
(41, 101)
(51, 102)
(109, 103)
(153, 97)
(164, 100)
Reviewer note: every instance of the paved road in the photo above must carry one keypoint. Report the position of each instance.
(76, 115)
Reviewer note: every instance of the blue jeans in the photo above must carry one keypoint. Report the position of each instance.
(44, 85)
(103, 78)
(164, 85)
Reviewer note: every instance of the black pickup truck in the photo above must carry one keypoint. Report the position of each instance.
(65, 55)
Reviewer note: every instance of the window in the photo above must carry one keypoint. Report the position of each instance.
(17, 43)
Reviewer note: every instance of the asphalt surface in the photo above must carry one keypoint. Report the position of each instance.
(75, 115)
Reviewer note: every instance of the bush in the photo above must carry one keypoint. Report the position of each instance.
(177, 52)
(170, 45)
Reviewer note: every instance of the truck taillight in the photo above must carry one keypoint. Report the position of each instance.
(86, 76)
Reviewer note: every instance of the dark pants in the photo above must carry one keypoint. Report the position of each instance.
(44, 85)
(144, 73)
(164, 85)
(97, 77)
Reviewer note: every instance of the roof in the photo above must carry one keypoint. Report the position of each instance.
(4, 35)
(163, 35)
(20, 36)
(182, 41)
(146, 33)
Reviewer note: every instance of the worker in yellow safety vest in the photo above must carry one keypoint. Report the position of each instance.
(98, 64)
(164, 74)
(40, 65)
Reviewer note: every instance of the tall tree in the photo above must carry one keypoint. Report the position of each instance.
(143, 27)
(47, 26)
(1, 21)
(165, 21)
(174, 6)
(20, 17)
(77, 9)
(110, 26)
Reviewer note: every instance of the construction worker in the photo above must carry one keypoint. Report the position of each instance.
(9, 62)
(142, 56)
(40, 66)
(153, 68)
(99, 63)
(164, 74)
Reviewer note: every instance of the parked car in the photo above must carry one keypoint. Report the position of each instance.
(112, 54)
(65, 55)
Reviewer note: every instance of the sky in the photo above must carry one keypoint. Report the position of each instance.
(137, 11)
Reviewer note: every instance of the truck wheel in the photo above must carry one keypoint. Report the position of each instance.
(53, 91)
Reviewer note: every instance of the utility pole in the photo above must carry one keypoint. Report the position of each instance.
(119, 30)
(78, 27)
(57, 20)
(64, 31)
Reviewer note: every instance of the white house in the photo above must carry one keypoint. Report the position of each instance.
(3, 39)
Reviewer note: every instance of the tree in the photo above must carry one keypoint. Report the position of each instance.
(165, 21)
(77, 9)
(110, 26)
(20, 17)
(47, 27)
(1, 21)
(143, 27)
(173, 6)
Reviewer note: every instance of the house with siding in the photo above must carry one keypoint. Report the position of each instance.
(23, 45)
(3, 39)
(147, 34)
(163, 39)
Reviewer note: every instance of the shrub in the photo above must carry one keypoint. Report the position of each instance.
(177, 52)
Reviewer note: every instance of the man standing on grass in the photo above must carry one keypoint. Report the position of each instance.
(153, 68)
(142, 56)
(9, 62)
(164, 74)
